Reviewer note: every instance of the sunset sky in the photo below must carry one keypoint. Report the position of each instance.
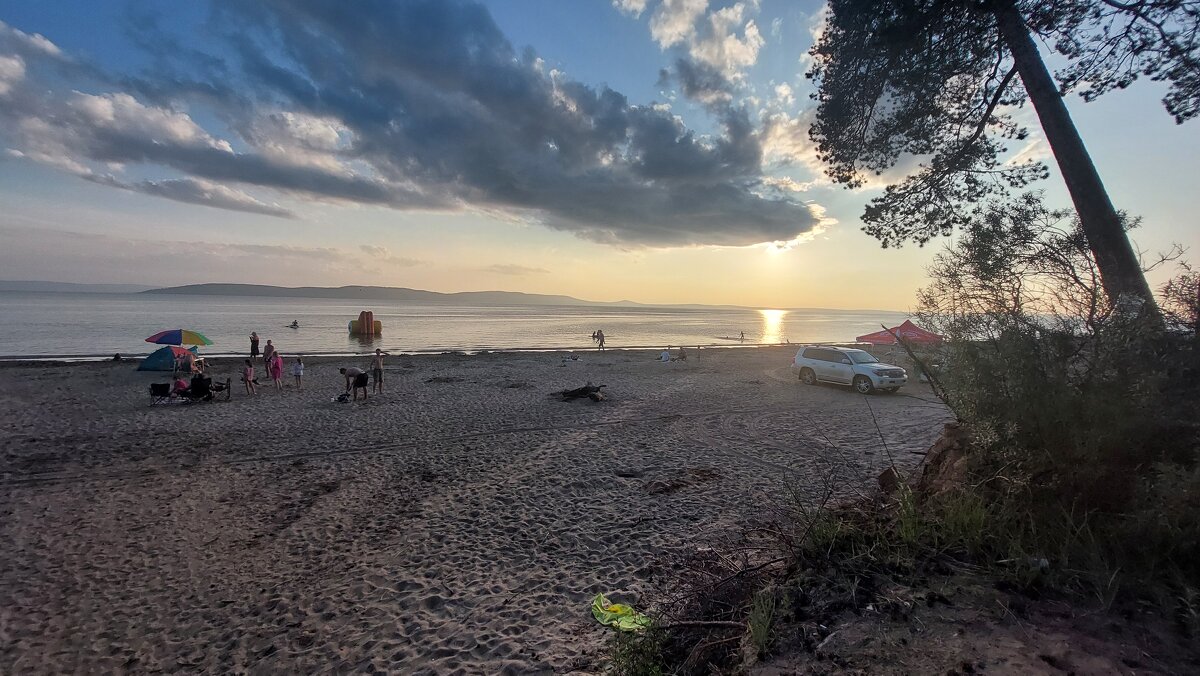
(650, 150)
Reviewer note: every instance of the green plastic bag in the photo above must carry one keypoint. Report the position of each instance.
(618, 615)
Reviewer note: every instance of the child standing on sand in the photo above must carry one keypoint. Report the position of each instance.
(377, 370)
(275, 368)
(248, 377)
(298, 372)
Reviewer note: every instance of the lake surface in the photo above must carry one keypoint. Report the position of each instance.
(94, 324)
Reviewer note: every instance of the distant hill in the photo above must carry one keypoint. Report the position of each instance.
(67, 287)
(384, 293)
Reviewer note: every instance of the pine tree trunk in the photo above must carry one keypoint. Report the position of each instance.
(1120, 271)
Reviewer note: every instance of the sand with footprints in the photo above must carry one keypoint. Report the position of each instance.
(460, 522)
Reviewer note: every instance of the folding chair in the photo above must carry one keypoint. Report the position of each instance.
(160, 393)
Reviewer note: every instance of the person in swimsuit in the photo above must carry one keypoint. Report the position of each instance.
(268, 352)
(600, 339)
(377, 370)
(248, 376)
(298, 372)
(356, 378)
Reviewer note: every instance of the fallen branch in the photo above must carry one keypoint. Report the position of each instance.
(706, 623)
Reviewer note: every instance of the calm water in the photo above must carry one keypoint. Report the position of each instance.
(59, 324)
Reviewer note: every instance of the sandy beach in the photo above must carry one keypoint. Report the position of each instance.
(459, 523)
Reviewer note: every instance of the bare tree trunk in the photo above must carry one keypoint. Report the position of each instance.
(1120, 271)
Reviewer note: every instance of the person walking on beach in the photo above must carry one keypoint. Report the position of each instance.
(743, 338)
(356, 378)
(298, 373)
(248, 376)
(268, 352)
(275, 368)
(600, 339)
(253, 345)
(377, 370)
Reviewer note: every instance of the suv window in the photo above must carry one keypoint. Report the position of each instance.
(823, 355)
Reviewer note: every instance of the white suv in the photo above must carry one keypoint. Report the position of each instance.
(856, 368)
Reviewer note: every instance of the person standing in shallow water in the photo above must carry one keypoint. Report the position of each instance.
(600, 339)
(253, 345)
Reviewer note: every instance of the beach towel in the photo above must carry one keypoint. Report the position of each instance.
(618, 615)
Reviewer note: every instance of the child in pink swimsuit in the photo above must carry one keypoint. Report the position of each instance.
(248, 377)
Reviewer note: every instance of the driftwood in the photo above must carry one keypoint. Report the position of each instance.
(589, 390)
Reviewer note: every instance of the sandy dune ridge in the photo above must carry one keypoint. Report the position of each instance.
(461, 522)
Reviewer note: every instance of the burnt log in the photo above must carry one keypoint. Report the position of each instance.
(579, 392)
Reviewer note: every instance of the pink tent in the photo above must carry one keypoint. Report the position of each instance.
(911, 333)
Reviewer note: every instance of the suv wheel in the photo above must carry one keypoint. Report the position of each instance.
(808, 377)
(863, 385)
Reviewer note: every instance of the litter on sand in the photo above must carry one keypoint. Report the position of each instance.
(618, 615)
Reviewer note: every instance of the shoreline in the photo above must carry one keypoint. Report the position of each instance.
(54, 359)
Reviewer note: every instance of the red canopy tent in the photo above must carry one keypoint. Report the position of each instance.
(911, 333)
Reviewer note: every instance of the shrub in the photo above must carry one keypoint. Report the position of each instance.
(1085, 447)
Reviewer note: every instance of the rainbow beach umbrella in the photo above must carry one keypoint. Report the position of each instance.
(179, 337)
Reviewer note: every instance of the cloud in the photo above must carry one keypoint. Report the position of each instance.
(724, 41)
(383, 255)
(47, 253)
(416, 105)
(196, 191)
(20, 41)
(515, 270)
(718, 44)
(12, 71)
(674, 21)
(699, 82)
(784, 94)
(633, 8)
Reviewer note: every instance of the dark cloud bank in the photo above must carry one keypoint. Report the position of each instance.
(414, 105)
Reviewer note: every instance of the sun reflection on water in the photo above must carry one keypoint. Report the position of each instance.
(772, 325)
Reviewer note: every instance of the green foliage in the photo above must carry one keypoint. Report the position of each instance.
(638, 654)
(900, 80)
(929, 80)
(919, 89)
(1111, 44)
(909, 524)
(963, 520)
(1085, 446)
(762, 619)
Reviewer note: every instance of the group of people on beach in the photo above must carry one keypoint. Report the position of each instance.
(665, 355)
(272, 362)
(598, 338)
